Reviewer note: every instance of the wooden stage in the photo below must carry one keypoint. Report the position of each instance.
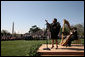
(74, 50)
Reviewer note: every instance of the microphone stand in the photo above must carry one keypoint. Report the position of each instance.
(46, 43)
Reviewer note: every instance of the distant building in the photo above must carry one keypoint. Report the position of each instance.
(26, 34)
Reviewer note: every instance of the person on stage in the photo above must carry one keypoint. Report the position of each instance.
(54, 28)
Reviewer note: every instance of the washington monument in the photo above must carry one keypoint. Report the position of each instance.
(13, 28)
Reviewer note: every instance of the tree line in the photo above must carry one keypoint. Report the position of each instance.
(37, 32)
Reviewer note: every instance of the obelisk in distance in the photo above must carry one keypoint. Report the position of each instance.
(13, 28)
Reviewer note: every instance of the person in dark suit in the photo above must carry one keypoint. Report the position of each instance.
(74, 36)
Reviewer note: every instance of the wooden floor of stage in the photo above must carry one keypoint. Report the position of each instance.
(74, 50)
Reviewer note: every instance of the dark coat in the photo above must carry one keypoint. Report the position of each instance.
(55, 28)
(74, 36)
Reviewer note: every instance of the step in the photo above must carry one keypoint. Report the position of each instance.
(62, 53)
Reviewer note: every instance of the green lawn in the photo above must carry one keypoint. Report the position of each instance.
(22, 47)
(17, 47)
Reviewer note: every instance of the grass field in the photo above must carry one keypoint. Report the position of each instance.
(22, 47)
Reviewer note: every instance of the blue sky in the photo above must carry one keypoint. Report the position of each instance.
(25, 14)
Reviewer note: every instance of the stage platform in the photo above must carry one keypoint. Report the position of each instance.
(74, 50)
